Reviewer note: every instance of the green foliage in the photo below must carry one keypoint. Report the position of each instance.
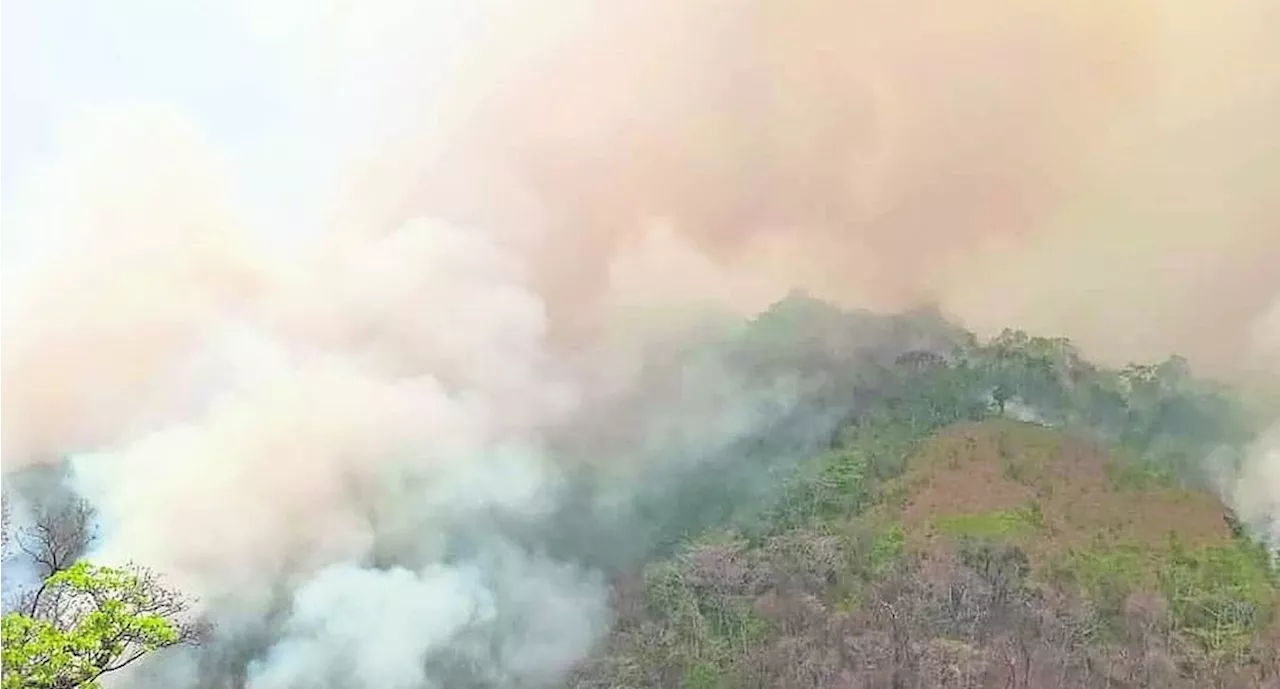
(1160, 411)
(997, 524)
(873, 551)
(1162, 420)
(1219, 595)
(886, 548)
(1126, 472)
(87, 621)
(702, 676)
(1166, 419)
(708, 623)
(1107, 575)
(832, 486)
(883, 444)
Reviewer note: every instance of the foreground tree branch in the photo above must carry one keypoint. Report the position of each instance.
(95, 620)
(84, 621)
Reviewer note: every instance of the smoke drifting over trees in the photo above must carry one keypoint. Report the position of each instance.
(397, 392)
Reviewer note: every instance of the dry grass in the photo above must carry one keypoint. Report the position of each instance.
(993, 469)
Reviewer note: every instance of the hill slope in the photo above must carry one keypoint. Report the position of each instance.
(1005, 555)
(1000, 514)
(1046, 491)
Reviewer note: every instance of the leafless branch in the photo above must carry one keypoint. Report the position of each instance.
(4, 526)
(58, 536)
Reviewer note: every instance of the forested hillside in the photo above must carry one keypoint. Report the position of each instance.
(987, 514)
(812, 498)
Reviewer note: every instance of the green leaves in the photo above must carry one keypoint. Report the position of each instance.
(38, 655)
(87, 621)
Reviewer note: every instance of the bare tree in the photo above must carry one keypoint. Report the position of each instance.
(7, 596)
(58, 535)
(4, 525)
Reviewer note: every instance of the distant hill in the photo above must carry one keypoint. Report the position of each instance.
(997, 514)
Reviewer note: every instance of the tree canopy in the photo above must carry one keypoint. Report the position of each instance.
(82, 621)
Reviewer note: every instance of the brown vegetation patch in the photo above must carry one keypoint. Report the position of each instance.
(977, 469)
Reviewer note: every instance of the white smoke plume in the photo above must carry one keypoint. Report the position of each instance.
(332, 448)
(241, 418)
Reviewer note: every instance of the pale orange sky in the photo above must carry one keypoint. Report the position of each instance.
(1100, 170)
(1108, 172)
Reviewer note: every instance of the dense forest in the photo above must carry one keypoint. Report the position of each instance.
(892, 502)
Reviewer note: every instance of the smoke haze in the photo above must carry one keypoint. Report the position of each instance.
(339, 373)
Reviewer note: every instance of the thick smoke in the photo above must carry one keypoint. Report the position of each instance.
(1010, 163)
(345, 451)
(394, 394)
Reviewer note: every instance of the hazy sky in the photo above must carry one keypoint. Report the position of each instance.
(61, 58)
(265, 83)
(1011, 162)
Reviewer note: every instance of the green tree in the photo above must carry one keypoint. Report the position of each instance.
(83, 621)
(88, 621)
